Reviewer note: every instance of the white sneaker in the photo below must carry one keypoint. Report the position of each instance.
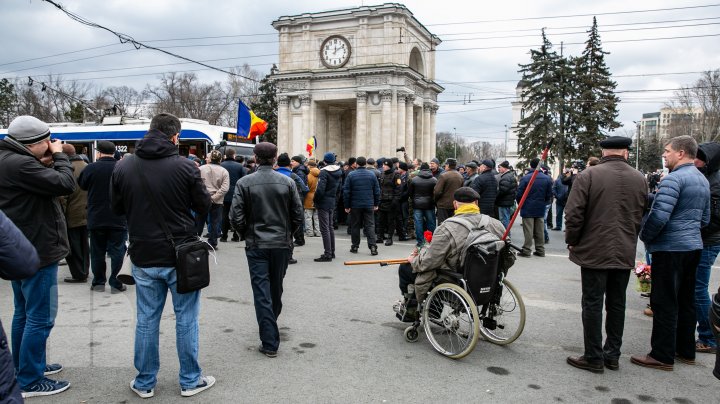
(205, 383)
(141, 393)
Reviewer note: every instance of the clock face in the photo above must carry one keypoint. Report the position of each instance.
(335, 51)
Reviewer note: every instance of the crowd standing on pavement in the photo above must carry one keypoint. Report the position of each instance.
(65, 208)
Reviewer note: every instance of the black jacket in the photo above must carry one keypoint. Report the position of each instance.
(390, 188)
(28, 196)
(487, 186)
(420, 190)
(507, 188)
(236, 171)
(327, 187)
(178, 190)
(95, 179)
(711, 233)
(266, 209)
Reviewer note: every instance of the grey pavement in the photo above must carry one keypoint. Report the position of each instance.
(341, 341)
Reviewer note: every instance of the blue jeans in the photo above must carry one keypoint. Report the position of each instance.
(702, 297)
(214, 223)
(36, 304)
(505, 213)
(559, 209)
(112, 243)
(424, 220)
(151, 286)
(267, 270)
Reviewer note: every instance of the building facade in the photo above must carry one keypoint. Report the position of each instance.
(360, 80)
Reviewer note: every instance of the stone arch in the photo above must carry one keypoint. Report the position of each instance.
(416, 61)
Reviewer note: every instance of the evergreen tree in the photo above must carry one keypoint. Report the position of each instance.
(596, 103)
(545, 84)
(7, 102)
(266, 108)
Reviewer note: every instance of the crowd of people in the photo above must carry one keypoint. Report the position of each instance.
(60, 207)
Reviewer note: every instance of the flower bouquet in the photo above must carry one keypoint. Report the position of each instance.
(642, 271)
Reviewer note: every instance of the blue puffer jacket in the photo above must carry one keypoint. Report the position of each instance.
(680, 209)
(18, 260)
(539, 196)
(361, 189)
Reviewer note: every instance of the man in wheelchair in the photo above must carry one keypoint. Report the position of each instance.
(443, 254)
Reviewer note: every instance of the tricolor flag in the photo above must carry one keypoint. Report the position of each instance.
(311, 144)
(248, 124)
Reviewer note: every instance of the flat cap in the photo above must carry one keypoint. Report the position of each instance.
(616, 142)
(27, 129)
(106, 147)
(466, 195)
(505, 164)
(265, 150)
(488, 163)
(471, 165)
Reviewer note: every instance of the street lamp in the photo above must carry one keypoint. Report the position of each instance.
(506, 141)
(637, 146)
(456, 141)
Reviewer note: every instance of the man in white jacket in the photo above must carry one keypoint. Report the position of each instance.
(217, 182)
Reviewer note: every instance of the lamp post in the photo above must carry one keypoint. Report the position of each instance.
(637, 146)
(506, 141)
(456, 141)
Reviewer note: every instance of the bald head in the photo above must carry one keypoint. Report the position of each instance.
(68, 149)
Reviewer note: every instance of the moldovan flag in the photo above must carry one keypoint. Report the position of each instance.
(248, 124)
(311, 144)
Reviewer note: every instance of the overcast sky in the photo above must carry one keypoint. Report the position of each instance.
(644, 45)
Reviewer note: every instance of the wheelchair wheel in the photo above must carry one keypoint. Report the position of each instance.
(505, 318)
(451, 319)
(411, 334)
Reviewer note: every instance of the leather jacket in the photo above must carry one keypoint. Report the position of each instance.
(266, 209)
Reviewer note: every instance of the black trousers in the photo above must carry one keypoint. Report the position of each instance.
(597, 284)
(267, 270)
(672, 298)
(365, 218)
(326, 231)
(226, 222)
(402, 220)
(79, 259)
(406, 276)
(386, 223)
(443, 214)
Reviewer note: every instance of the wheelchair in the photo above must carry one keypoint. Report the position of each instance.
(453, 320)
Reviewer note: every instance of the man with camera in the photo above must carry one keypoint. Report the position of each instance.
(33, 173)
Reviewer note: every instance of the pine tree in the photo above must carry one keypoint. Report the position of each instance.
(545, 84)
(266, 108)
(596, 103)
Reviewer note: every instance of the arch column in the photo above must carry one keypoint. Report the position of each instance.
(433, 134)
(297, 144)
(361, 137)
(283, 130)
(426, 149)
(386, 132)
(410, 126)
(401, 137)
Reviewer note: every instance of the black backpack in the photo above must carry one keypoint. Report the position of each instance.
(479, 258)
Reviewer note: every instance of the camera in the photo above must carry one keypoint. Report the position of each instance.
(400, 149)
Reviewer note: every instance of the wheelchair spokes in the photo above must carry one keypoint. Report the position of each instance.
(450, 320)
(504, 318)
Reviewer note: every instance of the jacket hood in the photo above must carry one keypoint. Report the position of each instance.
(711, 152)
(425, 174)
(155, 145)
(331, 168)
(315, 172)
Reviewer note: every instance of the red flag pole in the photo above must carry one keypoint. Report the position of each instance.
(527, 190)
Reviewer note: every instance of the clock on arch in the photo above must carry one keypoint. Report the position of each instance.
(335, 51)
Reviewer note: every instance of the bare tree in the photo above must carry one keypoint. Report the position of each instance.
(128, 100)
(239, 87)
(696, 109)
(183, 96)
(52, 99)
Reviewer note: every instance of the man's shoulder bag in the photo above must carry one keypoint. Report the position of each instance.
(192, 259)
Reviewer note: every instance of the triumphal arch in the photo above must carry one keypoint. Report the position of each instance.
(360, 80)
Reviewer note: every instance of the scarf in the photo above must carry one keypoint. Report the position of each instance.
(469, 208)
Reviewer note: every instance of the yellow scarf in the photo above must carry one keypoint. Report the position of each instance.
(469, 208)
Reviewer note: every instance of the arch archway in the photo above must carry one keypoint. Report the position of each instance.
(416, 61)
